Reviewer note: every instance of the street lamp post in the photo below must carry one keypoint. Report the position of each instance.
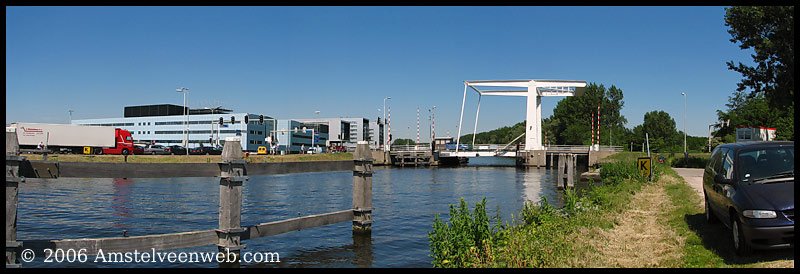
(70, 116)
(186, 120)
(212, 123)
(685, 154)
(433, 123)
(385, 148)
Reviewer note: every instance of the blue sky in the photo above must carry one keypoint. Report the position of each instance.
(287, 62)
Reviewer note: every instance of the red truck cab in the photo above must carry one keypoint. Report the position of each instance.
(124, 143)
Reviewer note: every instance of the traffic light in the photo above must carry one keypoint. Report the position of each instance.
(245, 119)
(220, 121)
(233, 120)
(261, 119)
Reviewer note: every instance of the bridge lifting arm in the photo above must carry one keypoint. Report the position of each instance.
(515, 139)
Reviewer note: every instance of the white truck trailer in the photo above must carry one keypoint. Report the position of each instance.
(74, 138)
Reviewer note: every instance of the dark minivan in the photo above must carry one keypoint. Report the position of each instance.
(749, 186)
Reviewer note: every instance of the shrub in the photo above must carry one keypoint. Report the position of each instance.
(458, 242)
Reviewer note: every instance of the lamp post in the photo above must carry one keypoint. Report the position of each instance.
(433, 124)
(212, 123)
(186, 120)
(70, 115)
(685, 154)
(385, 137)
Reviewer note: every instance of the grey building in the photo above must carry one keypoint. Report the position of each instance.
(347, 131)
(292, 136)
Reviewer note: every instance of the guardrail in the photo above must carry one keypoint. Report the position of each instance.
(422, 147)
(232, 171)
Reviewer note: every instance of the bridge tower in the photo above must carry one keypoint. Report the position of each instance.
(534, 90)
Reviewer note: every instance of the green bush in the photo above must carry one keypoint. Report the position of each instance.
(457, 242)
(691, 162)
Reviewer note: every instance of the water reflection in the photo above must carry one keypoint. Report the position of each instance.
(120, 198)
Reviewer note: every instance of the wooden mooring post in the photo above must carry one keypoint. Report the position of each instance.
(232, 175)
(362, 188)
(566, 170)
(13, 179)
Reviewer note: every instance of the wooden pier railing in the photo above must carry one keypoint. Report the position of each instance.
(233, 171)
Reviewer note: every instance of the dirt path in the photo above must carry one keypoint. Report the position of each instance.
(641, 239)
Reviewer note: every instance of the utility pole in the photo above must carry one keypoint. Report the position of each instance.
(685, 153)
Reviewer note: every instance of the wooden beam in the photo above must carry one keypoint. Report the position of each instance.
(186, 239)
(279, 227)
(128, 244)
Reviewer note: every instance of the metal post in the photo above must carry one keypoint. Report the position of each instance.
(232, 175)
(362, 188)
(385, 137)
(13, 179)
(478, 112)
(461, 118)
(685, 154)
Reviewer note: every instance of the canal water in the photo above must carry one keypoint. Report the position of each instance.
(405, 201)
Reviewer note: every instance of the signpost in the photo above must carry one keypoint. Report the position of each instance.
(644, 164)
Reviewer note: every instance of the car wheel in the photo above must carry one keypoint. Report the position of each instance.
(125, 152)
(99, 151)
(710, 217)
(739, 241)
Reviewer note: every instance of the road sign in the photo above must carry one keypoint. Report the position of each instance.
(644, 166)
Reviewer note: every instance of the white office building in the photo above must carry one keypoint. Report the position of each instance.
(166, 125)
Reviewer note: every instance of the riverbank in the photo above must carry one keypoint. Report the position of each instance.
(623, 222)
(189, 159)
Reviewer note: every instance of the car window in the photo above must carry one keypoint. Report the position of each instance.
(715, 162)
(765, 162)
(727, 165)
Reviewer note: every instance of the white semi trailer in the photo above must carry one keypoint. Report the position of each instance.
(74, 138)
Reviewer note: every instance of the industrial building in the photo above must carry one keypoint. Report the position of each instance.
(348, 131)
(292, 136)
(166, 124)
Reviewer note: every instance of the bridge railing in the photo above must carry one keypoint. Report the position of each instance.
(581, 148)
(420, 147)
(567, 148)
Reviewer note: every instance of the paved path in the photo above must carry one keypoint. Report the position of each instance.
(694, 177)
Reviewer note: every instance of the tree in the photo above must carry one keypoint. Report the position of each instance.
(571, 121)
(769, 30)
(745, 111)
(660, 128)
